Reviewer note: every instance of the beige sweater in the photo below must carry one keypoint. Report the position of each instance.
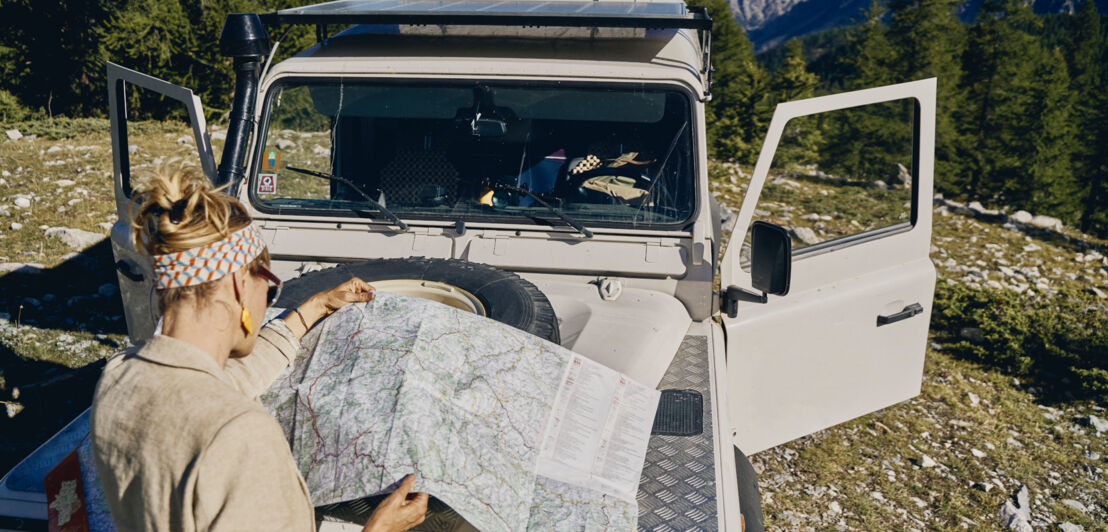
(181, 444)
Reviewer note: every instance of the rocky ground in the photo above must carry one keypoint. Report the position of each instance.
(976, 450)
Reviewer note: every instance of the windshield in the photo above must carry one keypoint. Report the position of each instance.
(476, 151)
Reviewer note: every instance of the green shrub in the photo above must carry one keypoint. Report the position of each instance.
(10, 108)
(1061, 342)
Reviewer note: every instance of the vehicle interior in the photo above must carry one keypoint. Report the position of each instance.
(482, 151)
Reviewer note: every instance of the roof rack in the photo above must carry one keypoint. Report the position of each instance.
(651, 14)
(556, 13)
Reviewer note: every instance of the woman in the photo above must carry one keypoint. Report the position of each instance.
(180, 440)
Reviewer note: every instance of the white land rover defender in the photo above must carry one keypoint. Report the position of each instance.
(544, 163)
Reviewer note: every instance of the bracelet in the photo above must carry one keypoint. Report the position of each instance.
(302, 320)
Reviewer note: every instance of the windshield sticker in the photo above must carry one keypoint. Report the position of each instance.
(267, 183)
(272, 160)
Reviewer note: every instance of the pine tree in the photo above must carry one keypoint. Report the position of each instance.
(802, 137)
(928, 40)
(55, 49)
(1048, 184)
(869, 58)
(997, 85)
(1019, 114)
(867, 143)
(737, 114)
(1085, 56)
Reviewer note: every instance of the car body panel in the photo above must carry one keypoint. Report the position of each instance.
(816, 357)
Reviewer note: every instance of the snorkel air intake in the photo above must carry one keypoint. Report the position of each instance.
(245, 40)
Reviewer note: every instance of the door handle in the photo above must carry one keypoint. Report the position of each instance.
(908, 312)
(128, 271)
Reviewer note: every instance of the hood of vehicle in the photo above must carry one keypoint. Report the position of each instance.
(636, 333)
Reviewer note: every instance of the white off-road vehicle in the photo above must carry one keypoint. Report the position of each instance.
(544, 163)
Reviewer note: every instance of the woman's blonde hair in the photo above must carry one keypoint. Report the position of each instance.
(177, 208)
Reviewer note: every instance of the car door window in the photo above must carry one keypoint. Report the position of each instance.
(841, 176)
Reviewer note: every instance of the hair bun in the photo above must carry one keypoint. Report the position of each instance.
(177, 208)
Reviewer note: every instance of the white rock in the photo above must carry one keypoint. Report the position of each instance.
(5, 173)
(285, 144)
(15, 226)
(184, 140)
(323, 152)
(132, 149)
(1046, 222)
(65, 182)
(13, 134)
(54, 149)
(1015, 513)
(1031, 247)
(835, 508)
(1022, 217)
(1098, 424)
(75, 238)
(1076, 505)
(806, 235)
(22, 203)
(926, 461)
(973, 398)
(105, 225)
(978, 453)
(1070, 527)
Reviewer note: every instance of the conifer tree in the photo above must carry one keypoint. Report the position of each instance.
(58, 63)
(1047, 183)
(1089, 79)
(997, 73)
(737, 114)
(802, 136)
(868, 143)
(869, 58)
(928, 40)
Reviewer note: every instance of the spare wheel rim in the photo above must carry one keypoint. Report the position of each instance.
(444, 293)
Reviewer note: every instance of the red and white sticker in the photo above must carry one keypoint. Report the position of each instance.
(267, 183)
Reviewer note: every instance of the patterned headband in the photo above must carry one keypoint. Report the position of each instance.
(208, 263)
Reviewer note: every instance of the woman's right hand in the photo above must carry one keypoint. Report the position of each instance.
(398, 512)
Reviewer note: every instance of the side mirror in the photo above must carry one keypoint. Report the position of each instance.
(771, 260)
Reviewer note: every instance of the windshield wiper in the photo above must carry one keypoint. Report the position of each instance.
(525, 192)
(372, 202)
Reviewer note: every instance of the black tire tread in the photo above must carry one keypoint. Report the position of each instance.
(529, 311)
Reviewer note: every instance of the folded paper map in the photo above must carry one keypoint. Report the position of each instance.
(510, 430)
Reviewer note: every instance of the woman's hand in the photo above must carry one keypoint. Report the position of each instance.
(399, 512)
(326, 303)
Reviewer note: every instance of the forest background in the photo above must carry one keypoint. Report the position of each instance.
(1023, 98)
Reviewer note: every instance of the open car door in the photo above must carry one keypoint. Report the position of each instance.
(127, 91)
(849, 336)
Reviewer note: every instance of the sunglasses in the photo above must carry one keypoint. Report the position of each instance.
(274, 290)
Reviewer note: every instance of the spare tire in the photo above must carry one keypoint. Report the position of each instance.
(505, 296)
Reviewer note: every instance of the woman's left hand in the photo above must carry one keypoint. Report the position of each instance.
(353, 291)
(327, 302)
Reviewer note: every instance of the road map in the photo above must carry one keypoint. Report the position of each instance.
(511, 431)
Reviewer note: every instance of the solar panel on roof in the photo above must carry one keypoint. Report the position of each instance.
(571, 13)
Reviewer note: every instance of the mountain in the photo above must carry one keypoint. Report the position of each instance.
(769, 23)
